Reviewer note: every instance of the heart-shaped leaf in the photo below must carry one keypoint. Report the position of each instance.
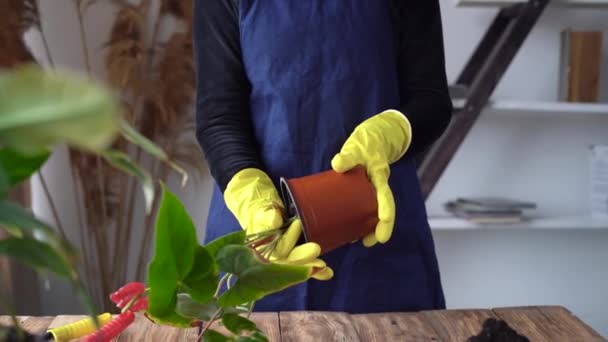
(179, 263)
(202, 279)
(256, 336)
(238, 324)
(188, 307)
(236, 238)
(256, 277)
(214, 336)
(40, 108)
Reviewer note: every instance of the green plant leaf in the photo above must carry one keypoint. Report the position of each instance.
(40, 108)
(37, 254)
(188, 307)
(256, 277)
(172, 318)
(238, 324)
(132, 135)
(123, 162)
(256, 336)
(201, 281)
(236, 238)
(214, 336)
(18, 166)
(178, 262)
(17, 219)
(4, 182)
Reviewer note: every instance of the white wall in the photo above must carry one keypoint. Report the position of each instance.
(538, 158)
(543, 158)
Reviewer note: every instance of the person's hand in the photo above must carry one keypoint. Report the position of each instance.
(375, 144)
(255, 202)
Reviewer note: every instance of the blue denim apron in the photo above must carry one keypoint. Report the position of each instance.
(318, 68)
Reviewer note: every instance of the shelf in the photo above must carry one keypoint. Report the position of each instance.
(510, 107)
(503, 3)
(450, 223)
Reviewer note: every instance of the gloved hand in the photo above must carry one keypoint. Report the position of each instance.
(375, 144)
(255, 202)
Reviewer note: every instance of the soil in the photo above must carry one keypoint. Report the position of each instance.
(494, 330)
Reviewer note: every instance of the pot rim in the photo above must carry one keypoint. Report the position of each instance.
(291, 204)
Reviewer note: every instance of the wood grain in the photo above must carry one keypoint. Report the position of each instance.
(570, 322)
(457, 325)
(405, 327)
(305, 326)
(547, 324)
(37, 325)
(145, 330)
(268, 322)
(585, 49)
(62, 320)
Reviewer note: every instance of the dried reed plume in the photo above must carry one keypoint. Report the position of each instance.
(181, 9)
(16, 17)
(126, 54)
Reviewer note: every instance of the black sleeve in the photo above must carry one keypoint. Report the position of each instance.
(223, 122)
(425, 98)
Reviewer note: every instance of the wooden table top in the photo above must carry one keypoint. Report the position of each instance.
(538, 323)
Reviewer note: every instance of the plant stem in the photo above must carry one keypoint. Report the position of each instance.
(45, 42)
(49, 199)
(84, 240)
(148, 229)
(153, 42)
(101, 243)
(229, 280)
(250, 309)
(83, 39)
(11, 311)
(208, 325)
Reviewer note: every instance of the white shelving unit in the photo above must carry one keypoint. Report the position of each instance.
(582, 222)
(516, 107)
(501, 3)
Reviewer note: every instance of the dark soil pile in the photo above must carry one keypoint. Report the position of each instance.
(494, 330)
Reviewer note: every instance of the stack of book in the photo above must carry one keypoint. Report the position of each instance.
(490, 210)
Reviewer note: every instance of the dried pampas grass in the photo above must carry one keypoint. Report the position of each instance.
(19, 15)
(16, 17)
(14, 50)
(181, 9)
(171, 94)
(126, 55)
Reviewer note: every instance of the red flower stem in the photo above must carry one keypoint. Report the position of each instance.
(130, 303)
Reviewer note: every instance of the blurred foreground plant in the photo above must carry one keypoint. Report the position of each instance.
(39, 110)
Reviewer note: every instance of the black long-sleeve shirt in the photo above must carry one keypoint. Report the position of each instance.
(224, 127)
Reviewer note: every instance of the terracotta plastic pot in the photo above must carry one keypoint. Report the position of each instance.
(335, 208)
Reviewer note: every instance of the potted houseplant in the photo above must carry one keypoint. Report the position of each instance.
(188, 284)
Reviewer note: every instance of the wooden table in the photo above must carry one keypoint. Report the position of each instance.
(545, 323)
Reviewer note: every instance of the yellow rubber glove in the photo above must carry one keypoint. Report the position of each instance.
(255, 202)
(306, 254)
(375, 144)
